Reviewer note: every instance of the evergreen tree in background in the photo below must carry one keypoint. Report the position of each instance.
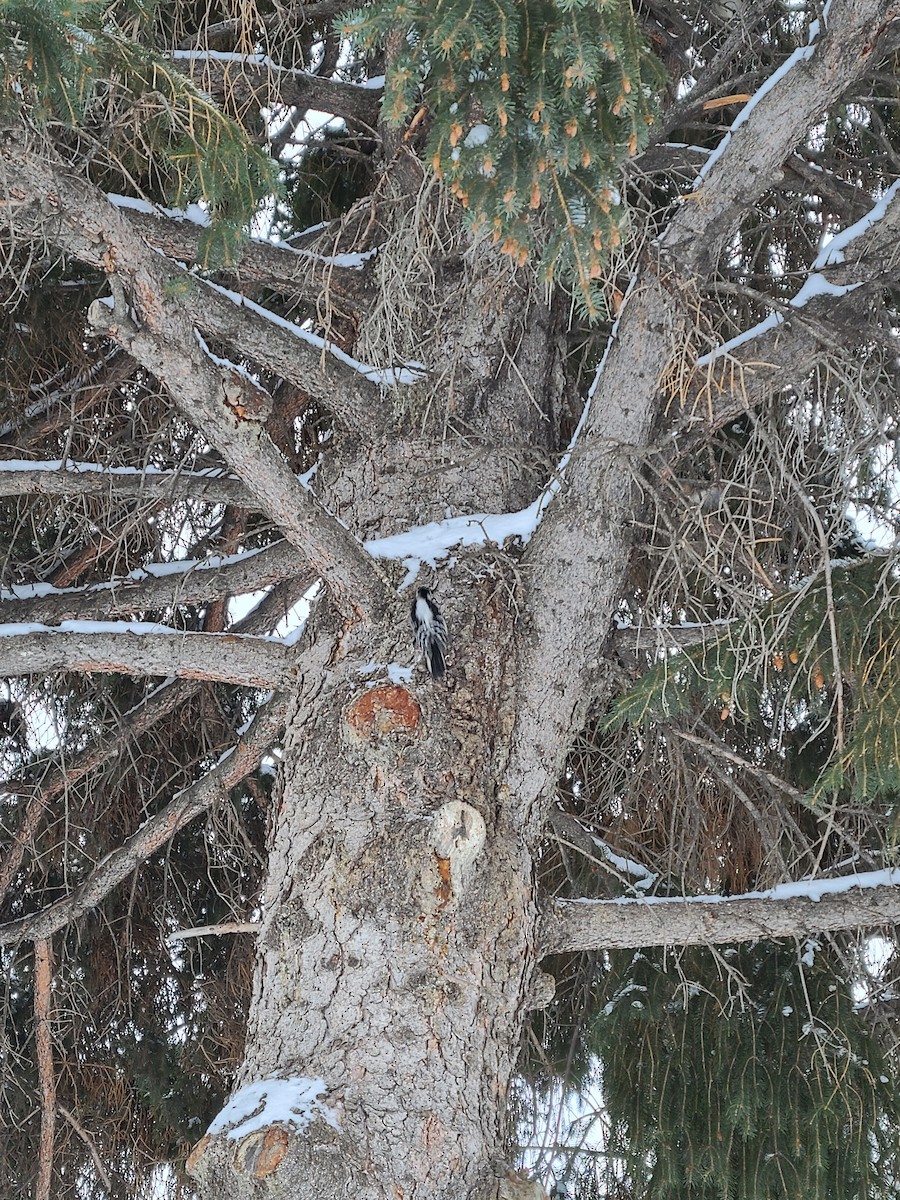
(279, 281)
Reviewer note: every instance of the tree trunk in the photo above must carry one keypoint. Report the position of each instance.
(398, 938)
(400, 924)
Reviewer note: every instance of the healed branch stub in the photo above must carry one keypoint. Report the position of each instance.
(455, 837)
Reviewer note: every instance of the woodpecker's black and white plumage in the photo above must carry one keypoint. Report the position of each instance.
(430, 631)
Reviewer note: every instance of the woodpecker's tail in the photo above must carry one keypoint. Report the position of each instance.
(434, 658)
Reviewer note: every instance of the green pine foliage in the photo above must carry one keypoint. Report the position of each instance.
(532, 108)
(747, 1075)
(63, 63)
(783, 668)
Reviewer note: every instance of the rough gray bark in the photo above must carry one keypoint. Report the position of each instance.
(140, 591)
(401, 931)
(67, 480)
(620, 924)
(299, 272)
(247, 661)
(50, 203)
(403, 1004)
(399, 928)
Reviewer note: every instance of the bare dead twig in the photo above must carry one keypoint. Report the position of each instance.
(24, 834)
(89, 1142)
(722, 751)
(214, 930)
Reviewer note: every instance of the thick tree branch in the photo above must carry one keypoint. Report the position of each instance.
(355, 401)
(584, 540)
(245, 84)
(218, 400)
(151, 650)
(572, 925)
(295, 272)
(834, 307)
(163, 701)
(158, 586)
(768, 128)
(50, 203)
(61, 478)
(154, 834)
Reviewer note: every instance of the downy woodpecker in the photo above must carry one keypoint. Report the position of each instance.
(430, 631)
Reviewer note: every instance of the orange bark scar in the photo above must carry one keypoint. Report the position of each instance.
(197, 1153)
(444, 890)
(261, 1153)
(383, 710)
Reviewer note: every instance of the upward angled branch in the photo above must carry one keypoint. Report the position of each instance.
(579, 554)
(155, 832)
(834, 305)
(293, 271)
(210, 394)
(856, 36)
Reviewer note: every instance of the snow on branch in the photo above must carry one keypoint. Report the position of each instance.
(772, 124)
(397, 376)
(62, 477)
(205, 389)
(157, 831)
(157, 585)
(92, 230)
(789, 910)
(578, 557)
(280, 266)
(139, 648)
(785, 347)
(159, 704)
(222, 402)
(435, 541)
(853, 243)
